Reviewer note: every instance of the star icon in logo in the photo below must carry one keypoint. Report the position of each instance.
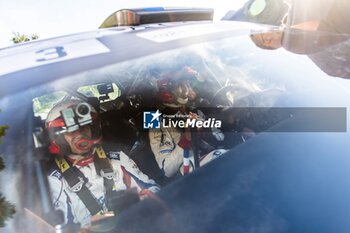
(156, 115)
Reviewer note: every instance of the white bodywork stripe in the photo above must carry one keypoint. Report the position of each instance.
(49, 55)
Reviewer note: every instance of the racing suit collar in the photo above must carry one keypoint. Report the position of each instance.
(86, 160)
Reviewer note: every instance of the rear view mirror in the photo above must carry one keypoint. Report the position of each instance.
(105, 89)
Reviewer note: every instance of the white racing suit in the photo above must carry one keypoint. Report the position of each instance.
(127, 175)
(170, 155)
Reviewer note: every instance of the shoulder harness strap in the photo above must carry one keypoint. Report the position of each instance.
(77, 183)
(104, 169)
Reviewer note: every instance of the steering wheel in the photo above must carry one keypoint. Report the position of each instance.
(222, 96)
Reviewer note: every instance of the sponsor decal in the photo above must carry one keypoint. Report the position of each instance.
(182, 32)
(114, 155)
(56, 174)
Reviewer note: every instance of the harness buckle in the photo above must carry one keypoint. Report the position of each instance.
(108, 175)
(78, 186)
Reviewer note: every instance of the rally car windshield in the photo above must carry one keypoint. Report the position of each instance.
(223, 75)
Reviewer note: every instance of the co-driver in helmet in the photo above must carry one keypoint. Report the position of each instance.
(171, 146)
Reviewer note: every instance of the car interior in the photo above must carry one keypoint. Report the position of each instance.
(121, 106)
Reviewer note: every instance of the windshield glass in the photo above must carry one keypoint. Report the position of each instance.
(228, 85)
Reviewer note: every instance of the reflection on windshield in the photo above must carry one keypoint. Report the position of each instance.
(327, 50)
(199, 95)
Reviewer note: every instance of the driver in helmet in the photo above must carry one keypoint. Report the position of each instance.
(86, 175)
(172, 147)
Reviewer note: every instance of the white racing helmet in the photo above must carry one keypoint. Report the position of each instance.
(69, 116)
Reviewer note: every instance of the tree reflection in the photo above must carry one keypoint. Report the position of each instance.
(7, 210)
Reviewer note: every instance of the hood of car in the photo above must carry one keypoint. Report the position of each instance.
(47, 60)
